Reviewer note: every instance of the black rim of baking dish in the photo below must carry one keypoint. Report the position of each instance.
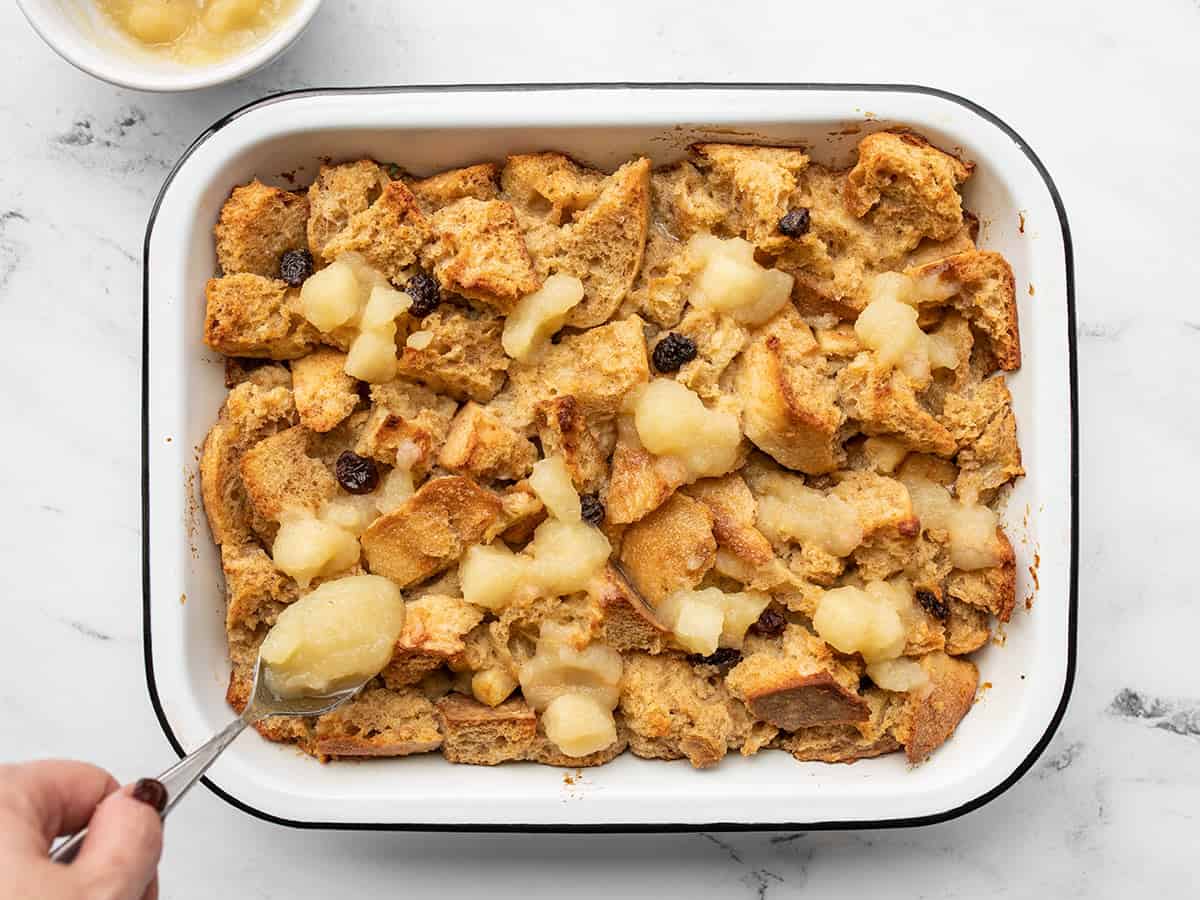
(618, 828)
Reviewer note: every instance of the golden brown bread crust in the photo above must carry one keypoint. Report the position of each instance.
(931, 714)
(734, 511)
(756, 184)
(481, 735)
(480, 445)
(564, 431)
(378, 722)
(905, 184)
(477, 250)
(257, 225)
(442, 189)
(408, 415)
(882, 401)
(279, 475)
(985, 293)
(629, 624)
(789, 407)
(795, 681)
(670, 549)
(324, 393)
(435, 627)
(338, 194)
(430, 530)
(672, 712)
(248, 315)
(249, 414)
(389, 233)
(463, 358)
(549, 186)
(640, 482)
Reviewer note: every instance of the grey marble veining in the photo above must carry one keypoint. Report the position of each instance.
(1103, 91)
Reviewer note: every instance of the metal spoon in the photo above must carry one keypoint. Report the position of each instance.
(180, 777)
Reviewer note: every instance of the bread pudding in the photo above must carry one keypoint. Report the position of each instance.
(675, 461)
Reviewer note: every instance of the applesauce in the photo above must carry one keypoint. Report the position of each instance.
(196, 31)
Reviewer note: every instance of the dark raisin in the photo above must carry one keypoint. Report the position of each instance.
(357, 474)
(593, 509)
(771, 623)
(723, 658)
(673, 351)
(795, 223)
(939, 609)
(295, 266)
(425, 293)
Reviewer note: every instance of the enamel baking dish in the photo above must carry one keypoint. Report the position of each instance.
(282, 140)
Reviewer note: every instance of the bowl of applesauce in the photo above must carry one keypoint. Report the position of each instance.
(169, 45)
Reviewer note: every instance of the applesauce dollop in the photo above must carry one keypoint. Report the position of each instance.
(340, 635)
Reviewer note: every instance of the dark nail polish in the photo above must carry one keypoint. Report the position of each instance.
(150, 792)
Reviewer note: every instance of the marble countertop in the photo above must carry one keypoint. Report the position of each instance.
(1108, 101)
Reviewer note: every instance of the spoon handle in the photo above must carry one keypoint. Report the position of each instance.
(177, 780)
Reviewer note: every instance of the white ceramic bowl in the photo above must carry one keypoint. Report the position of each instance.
(65, 26)
(429, 129)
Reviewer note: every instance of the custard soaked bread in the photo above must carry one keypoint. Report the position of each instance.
(675, 461)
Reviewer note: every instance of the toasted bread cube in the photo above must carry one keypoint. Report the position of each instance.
(993, 589)
(882, 504)
(442, 189)
(388, 234)
(256, 593)
(629, 624)
(789, 407)
(795, 681)
(549, 186)
(719, 339)
(478, 251)
(670, 549)
(906, 186)
(967, 627)
(980, 285)
(248, 315)
(434, 630)
(464, 357)
(544, 751)
(931, 714)
(430, 530)
(598, 367)
(603, 246)
(249, 414)
(279, 474)
(406, 420)
(324, 393)
(640, 482)
(883, 402)
(849, 743)
(480, 735)
(672, 711)
(564, 432)
(734, 511)
(379, 722)
(337, 195)
(480, 445)
(258, 224)
(982, 423)
(759, 181)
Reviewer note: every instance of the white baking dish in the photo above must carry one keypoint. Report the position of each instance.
(425, 129)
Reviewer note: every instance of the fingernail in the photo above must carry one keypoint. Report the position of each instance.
(150, 792)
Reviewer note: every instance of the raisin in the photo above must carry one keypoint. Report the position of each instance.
(673, 351)
(357, 474)
(771, 623)
(425, 293)
(723, 658)
(795, 223)
(939, 609)
(295, 266)
(592, 509)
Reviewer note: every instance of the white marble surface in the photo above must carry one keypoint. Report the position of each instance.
(1103, 91)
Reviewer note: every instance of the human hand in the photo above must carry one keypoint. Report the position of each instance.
(44, 799)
